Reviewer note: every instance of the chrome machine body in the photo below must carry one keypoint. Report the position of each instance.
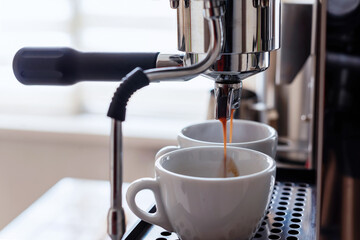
(251, 30)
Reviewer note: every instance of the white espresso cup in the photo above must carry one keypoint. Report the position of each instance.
(246, 134)
(194, 201)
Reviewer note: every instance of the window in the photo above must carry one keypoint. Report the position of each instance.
(92, 25)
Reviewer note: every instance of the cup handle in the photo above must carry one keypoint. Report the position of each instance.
(159, 217)
(165, 150)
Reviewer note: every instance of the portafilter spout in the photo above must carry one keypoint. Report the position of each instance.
(227, 97)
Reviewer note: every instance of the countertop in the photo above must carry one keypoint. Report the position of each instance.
(71, 209)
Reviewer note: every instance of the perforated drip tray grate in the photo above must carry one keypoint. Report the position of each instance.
(291, 213)
(290, 216)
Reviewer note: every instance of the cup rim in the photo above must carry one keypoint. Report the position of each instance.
(272, 134)
(272, 164)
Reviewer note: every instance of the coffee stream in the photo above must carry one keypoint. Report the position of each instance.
(230, 169)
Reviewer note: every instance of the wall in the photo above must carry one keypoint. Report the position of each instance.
(33, 161)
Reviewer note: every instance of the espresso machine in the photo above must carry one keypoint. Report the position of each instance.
(226, 41)
(314, 91)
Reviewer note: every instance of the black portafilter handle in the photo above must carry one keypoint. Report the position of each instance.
(66, 66)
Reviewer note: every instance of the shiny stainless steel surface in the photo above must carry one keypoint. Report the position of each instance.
(246, 64)
(116, 216)
(295, 76)
(242, 65)
(169, 60)
(294, 103)
(244, 32)
(251, 28)
(245, 111)
(227, 97)
(295, 48)
(213, 18)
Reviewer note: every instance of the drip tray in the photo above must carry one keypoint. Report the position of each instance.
(291, 215)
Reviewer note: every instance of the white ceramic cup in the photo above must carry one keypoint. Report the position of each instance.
(246, 134)
(193, 201)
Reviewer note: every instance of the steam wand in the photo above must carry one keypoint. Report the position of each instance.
(135, 80)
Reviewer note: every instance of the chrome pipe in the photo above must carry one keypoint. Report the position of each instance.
(169, 60)
(116, 216)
